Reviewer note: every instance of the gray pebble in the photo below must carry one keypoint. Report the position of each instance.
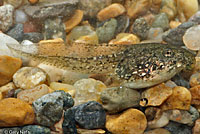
(34, 37)
(36, 129)
(161, 20)
(17, 32)
(177, 128)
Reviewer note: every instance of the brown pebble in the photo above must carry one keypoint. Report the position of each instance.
(196, 128)
(1, 2)
(33, 1)
(195, 92)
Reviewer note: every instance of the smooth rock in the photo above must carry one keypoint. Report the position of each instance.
(131, 121)
(157, 131)
(49, 108)
(33, 1)
(6, 17)
(111, 11)
(30, 77)
(177, 128)
(169, 7)
(123, 22)
(195, 79)
(8, 66)
(195, 92)
(156, 95)
(155, 33)
(54, 28)
(155, 6)
(119, 98)
(137, 7)
(92, 7)
(180, 81)
(170, 83)
(32, 27)
(125, 39)
(141, 28)
(174, 24)
(30, 95)
(191, 39)
(36, 129)
(20, 16)
(180, 99)
(186, 8)
(196, 128)
(195, 17)
(107, 31)
(88, 39)
(6, 88)
(53, 8)
(90, 115)
(161, 20)
(88, 90)
(17, 32)
(10, 94)
(74, 20)
(175, 36)
(33, 37)
(15, 112)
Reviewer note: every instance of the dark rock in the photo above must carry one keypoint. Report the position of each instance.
(195, 18)
(177, 128)
(34, 37)
(175, 36)
(17, 32)
(35, 129)
(180, 81)
(194, 113)
(69, 124)
(53, 8)
(90, 115)
(10, 93)
(49, 108)
(141, 28)
(54, 28)
(107, 31)
(16, 92)
(161, 20)
(122, 24)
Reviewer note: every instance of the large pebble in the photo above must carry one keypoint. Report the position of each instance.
(8, 66)
(156, 95)
(107, 31)
(88, 90)
(177, 128)
(169, 7)
(29, 77)
(36, 129)
(161, 20)
(157, 131)
(49, 108)
(111, 11)
(90, 115)
(191, 39)
(30, 95)
(180, 99)
(6, 17)
(17, 32)
(131, 121)
(117, 99)
(14, 112)
(196, 128)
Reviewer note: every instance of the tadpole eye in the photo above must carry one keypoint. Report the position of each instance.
(168, 53)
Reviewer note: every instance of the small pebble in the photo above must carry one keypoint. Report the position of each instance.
(6, 88)
(33, 37)
(111, 11)
(33, 1)
(15, 112)
(169, 7)
(36, 129)
(95, 131)
(17, 32)
(195, 92)
(195, 79)
(14, 3)
(20, 16)
(90, 115)
(131, 121)
(31, 27)
(196, 128)
(117, 99)
(155, 33)
(29, 77)
(161, 20)
(157, 131)
(123, 22)
(88, 39)
(177, 128)
(174, 24)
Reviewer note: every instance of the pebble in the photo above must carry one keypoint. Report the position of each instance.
(14, 3)
(88, 90)
(1, 2)
(6, 88)
(180, 81)
(88, 39)
(131, 121)
(50, 9)
(190, 38)
(195, 92)
(125, 39)
(20, 16)
(170, 83)
(141, 28)
(175, 36)
(123, 22)
(155, 6)
(14, 112)
(194, 79)
(49, 108)
(186, 8)
(161, 20)
(177, 128)
(157, 131)
(33, 1)
(196, 128)
(156, 95)
(36, 129)
(180, 99)
(69, 124)
(195, 18)
(169, 7)
(106, 32)
(32, 26)
(30, 95)
(6, 17)
(33, 37)
(92, 7)
(155, 33)
(17, 32)
(54, 28)
(174, 24)
(30, 77)
(8, 66)
(90, 115)
(137, 7)
(117, 99)
(95, 131)
(74, 20)
(111, 11)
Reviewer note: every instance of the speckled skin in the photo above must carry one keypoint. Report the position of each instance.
(136, 66)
